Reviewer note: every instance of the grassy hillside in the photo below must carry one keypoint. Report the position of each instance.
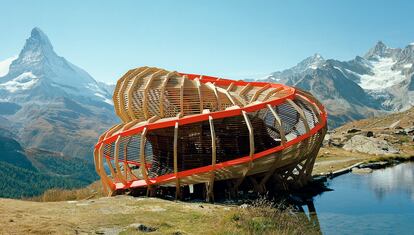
(28, 173)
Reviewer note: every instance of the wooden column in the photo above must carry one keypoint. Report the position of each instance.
(177, 179)
(210, 191)
(118, 173)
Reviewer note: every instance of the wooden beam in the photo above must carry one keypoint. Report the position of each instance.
(245, 89)
(182, 94)
(143, 166)
(251, 136)
(132, 88)
(162, 92)
(118, 173)
(301, 114)
(272, 92)
(200, 94)
(117, 96)
(210, 192)
(258, 92)
(146, 88)
(313, 106)
(105, 178)
(278, 123)
(125, 91)
(230, 87)
(126, 164)
(306, 124)
(209, 84)
(177, 180)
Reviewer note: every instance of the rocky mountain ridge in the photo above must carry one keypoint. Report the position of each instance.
(380, 82)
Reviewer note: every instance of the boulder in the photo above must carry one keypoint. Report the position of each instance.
(409, 130)
(143, 228)
(357, 170)
(353, 130)
(370, 145)
(394, 125)
(400, 132)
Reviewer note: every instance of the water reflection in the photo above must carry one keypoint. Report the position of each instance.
(378, 203)
(395, 179)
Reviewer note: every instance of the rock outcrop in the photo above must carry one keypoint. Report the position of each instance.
(369, 145)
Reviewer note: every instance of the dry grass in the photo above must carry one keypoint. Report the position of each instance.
(265, 217)
(121, 214)
(94, 190)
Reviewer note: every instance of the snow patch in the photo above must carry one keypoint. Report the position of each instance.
(5, 65)
(313, 66)
(106, 100)
(24, 81)
(407, 66)
(383, 77)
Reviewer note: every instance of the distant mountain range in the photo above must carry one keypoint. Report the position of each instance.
(50, 103)
(380, 82)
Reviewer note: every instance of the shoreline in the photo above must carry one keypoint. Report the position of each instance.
(373, 164)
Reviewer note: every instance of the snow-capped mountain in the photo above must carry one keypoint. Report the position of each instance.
(39, 71)
(379, 82)
(51, 103)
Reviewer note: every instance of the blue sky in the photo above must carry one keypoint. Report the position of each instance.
(236, 39)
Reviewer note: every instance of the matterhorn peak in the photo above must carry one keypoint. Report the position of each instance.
(36, 48)
(39, 36)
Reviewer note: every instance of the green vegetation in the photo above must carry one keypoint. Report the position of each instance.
(264, 217)
(20, 183)
(28, 173)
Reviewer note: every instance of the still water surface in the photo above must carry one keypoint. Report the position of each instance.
(381, 202)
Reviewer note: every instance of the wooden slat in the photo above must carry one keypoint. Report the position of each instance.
(230, 87)
(301, 114)
(200, 94)
(142, 157)
(182, 94)
(272, 92)
(258, 92)
(105, 178)
(251, 134)
(118, 173)
(146, 87)
(278, 123)
(162, 93)
(131, 90)
(125, 114)
(313, 106)
(245, 89)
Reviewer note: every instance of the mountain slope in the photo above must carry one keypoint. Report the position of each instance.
(30, 172)
(53, 104)
(380, 82)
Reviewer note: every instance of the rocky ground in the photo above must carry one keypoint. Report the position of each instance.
(387, 138)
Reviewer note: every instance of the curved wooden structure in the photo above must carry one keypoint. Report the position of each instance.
(181, 129)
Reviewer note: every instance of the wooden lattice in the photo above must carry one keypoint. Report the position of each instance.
(181, 129)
